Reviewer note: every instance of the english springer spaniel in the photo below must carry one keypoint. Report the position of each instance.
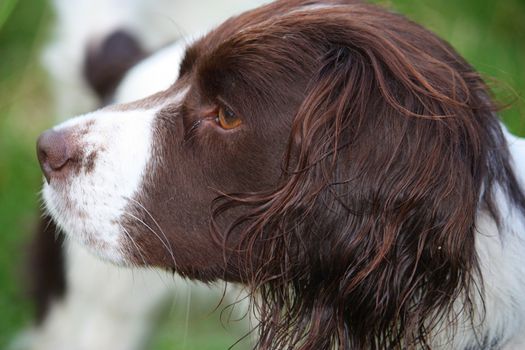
(342, 162)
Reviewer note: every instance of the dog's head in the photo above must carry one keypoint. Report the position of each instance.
(330, 154)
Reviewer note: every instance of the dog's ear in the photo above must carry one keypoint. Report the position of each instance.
(386, 172)
(371, 237)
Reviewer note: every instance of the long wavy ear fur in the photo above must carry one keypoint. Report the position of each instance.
(371, 236)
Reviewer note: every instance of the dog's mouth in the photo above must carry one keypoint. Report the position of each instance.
(92, 223)
(93, 166)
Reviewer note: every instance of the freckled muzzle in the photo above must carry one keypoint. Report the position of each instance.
(94, 166)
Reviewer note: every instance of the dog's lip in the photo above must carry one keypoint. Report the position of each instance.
(56, 181)
(46, 177)
(57, 175)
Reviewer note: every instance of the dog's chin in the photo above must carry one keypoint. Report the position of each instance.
(97, 228)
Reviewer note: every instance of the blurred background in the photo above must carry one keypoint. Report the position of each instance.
(491, 35)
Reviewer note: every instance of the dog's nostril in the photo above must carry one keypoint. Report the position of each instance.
(52, 152)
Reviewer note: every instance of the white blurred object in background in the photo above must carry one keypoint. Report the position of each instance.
(153, 22)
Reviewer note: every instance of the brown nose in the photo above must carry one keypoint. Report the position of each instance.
(53, 153)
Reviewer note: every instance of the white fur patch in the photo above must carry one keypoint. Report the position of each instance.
(88, 205)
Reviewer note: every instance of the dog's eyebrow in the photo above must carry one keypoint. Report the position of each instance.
(189, 59)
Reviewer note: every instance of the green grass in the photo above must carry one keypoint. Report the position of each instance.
(23, 113)
(491, 35)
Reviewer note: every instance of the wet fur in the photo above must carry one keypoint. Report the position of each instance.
(357, 197)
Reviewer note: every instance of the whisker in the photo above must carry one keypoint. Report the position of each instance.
(135, 244)
(167, 243)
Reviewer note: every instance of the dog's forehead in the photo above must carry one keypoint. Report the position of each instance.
(261, 48)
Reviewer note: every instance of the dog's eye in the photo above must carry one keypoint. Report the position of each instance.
(227, 119)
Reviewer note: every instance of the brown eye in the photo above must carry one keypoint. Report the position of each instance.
(227, 119)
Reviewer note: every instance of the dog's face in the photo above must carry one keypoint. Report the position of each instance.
(262, 107)
(135, 182)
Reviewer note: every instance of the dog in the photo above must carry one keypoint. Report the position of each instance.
(342, 162)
